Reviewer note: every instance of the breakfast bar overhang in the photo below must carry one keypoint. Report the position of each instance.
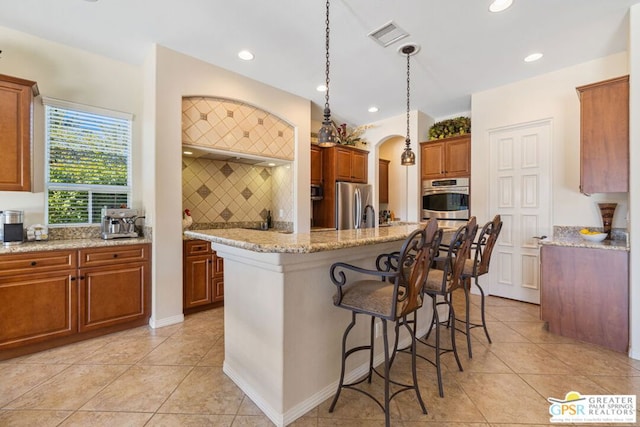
(282, 331)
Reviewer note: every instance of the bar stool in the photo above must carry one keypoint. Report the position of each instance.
(390, 296)
(476, 267)
(442, 281)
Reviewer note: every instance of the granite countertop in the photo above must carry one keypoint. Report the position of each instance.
(579, 242)
(317, 241)
(52, 245)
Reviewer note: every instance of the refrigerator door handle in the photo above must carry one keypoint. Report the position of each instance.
(357, 199)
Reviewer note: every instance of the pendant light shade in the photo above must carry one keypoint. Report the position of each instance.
(327, 133)
(408, 157)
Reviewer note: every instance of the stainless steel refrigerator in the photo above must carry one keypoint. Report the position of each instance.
(354, 206)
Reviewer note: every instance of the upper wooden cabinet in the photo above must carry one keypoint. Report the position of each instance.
(604, 136)
(348, 163)
(383, 180)
(316, 165)
(446, 158)
(16, 97)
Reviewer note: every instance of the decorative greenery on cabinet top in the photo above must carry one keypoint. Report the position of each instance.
(450, 127)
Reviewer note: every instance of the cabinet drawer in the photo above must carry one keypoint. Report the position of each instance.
(196, 247)
(113, 254)
(36, 262)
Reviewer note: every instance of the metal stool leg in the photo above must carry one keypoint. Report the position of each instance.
(466, 284)
(344, 360)
(484, 322)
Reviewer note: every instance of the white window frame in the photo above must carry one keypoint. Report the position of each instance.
(90, 188)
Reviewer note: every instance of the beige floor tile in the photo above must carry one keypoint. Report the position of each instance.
(17, 379)
(107, 419)
(70, 389)
(206, 390)
(252, 421)
(499, 332)
(124, 350)
(247, 407)
(139, 389)
(537, 333)
(215, 355)
(505, 398)
(351, 422)
(67, 354)
(483, 361)
(618, 385)
(588, 359)
(179, 350)
(529, 358)
(32, 418)
(310, 419)
(557, 386)
(190, 420)
(510, 314)
(442, 424)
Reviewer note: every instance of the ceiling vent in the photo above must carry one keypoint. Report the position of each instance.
(387, 34)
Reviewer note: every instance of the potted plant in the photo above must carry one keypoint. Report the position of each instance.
(450, 127)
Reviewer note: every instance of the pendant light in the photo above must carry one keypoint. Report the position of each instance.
(327, 133)
(408, 157)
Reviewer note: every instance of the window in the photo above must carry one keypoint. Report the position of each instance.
(88, 161)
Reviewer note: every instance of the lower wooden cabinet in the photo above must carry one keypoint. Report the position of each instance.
(584, 294)
(203, 276)
(51, 298)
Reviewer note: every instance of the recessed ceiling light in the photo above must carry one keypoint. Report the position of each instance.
(188, 153)
(321, 88)
(246, 55)
(271, 164)
(500, 5)
(373, 109)
(533, 57)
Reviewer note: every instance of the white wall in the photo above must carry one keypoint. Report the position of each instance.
(634, 179)
(552, 96)
(409, 208)
(178, 75)
(72, 75)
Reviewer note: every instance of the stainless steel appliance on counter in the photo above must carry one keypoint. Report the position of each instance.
(447, 200)
(119, 223)
(354, 206)
(12, 227)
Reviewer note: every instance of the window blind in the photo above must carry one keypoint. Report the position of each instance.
(88, 161)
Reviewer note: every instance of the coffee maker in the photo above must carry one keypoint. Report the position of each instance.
(118, 223)
(12, 232)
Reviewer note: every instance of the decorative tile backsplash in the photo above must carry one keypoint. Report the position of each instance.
(220, 193)
(231, 125)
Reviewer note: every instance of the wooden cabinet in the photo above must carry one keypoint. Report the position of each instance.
(383, 180)
(114, 284)
(316, 165)
(446, 158)
(203, 275)
(339, 163)
(51, 298)
(604, 136)
(16, 97)
(584, 294)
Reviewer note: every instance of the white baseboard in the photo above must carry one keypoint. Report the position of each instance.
(283, 419)
(166, 321)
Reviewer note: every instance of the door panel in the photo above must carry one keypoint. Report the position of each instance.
(520, 168)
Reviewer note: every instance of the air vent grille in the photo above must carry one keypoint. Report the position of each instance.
(387, 34)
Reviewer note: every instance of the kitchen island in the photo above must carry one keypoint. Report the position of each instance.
(282, 332)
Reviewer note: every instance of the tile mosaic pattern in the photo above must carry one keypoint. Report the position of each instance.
(230, 125)
(216, 191)
(172, 376)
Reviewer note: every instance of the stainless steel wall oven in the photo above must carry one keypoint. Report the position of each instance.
(445, 199)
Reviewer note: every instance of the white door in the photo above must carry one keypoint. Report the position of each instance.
(520, 191)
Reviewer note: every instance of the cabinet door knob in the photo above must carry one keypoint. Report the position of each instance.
(115, 255)
(72, 278)
(33, 263)
(81, 277)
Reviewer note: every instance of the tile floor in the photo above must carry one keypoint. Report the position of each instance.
(173, 376)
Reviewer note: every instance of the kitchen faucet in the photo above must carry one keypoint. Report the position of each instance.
(369, 220)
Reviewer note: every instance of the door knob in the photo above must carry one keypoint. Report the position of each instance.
(540, 237)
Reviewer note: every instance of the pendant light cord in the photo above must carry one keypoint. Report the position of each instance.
(326, 94)
(408, 93)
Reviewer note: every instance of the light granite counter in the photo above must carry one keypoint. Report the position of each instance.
(53, 245)
(569, 236)
(317, 241)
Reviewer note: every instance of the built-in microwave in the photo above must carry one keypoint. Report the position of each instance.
(445, 199)
(316, 192)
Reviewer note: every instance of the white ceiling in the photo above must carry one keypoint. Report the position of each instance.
(464, 48)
